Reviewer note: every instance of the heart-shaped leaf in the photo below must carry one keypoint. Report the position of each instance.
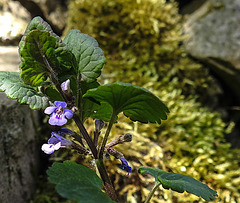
(12, 84)
(180, 183)
(77, 182)
(44, 56)
(89, 56)
(135, 102)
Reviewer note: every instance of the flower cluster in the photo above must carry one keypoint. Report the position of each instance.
(59, 115)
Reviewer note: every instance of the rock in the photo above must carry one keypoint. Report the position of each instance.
(16, 14)
(213, 37)
(13, 21)
(9, 58)
(18, 152)
(52, 11)
(189, 6)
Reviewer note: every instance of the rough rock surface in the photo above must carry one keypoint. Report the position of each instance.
(16, 14)
(13, 21)
(18, 152)
(9, 58)
(213, 36)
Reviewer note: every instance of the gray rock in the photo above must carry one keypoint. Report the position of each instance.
(18, 152)
(213, 36)
(53, 11)
(9, 58)
(16, 14)
(14, 19)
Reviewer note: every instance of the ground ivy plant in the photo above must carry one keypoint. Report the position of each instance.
(60, 77)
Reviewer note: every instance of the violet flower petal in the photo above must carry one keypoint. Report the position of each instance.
(66, 85)
(57, 138)
(60, 103)
(48, 148)
(50, 110)
(57, 120)
(125, 165)
(68, 113)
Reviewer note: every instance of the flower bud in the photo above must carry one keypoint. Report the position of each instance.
(98, 125)
(66, 86)
(125, 138)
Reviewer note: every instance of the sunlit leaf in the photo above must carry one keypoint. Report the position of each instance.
(42, 56)
(89, 56)
(37, 23)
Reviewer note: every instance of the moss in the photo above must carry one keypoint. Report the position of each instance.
(136, 34)
(141, 40)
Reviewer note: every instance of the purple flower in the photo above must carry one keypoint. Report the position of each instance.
(59, 112)
(54, 143)
(125, 165)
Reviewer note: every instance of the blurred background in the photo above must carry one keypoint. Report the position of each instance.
(186, 52)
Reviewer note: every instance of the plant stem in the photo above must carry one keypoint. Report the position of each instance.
(99, 159)
(86, 136)
(100, 165)
(152, 192)
(104, 142)
(106, 180)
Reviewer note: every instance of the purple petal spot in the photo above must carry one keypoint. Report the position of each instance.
(58, 113)
(125, 165)
(66, 86)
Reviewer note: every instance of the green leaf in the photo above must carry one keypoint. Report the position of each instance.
(77, 182)
(53, 94)
(88, 55)
(12, 84)
(135, 102)
(102, 112)
(180, 183)
(43, 56)
(37, 23)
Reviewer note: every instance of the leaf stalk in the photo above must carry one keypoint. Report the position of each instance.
(152, 192)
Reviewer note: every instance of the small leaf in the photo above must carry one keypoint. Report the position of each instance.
(180, 183)
(43, 56)
(77, 182)
(135, 102)
(12, 84)
(88, 55)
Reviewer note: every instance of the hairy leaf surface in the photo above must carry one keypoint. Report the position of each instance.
(43, 56)
(89, 56)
